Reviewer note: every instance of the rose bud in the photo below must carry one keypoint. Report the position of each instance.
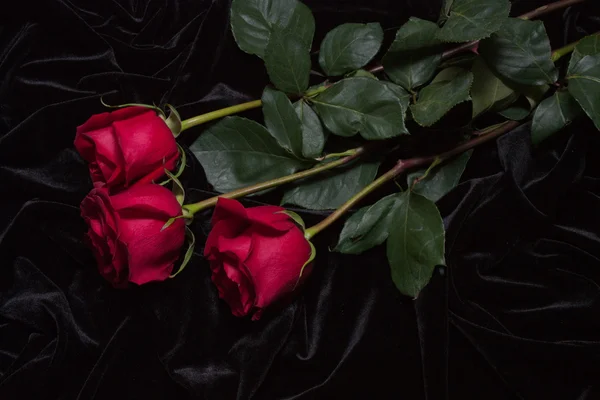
(124, 146)
(126, 236)
(257, 256)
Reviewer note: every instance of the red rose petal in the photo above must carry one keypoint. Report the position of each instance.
(159, 170)
(102, 120)
(146, 143)
(153, 256)
(275, 264)
(270, 217)
(111, 258)
(237, 247)
(228, 290)
(230, 210)
(257, 314)
(149, 200)
(244, 285)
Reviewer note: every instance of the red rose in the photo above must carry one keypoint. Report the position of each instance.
(125, 233)
(125, 146)
(255, 254)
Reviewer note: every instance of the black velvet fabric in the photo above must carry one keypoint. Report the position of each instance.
(514, 315)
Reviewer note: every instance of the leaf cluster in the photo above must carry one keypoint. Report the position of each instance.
(510, 74)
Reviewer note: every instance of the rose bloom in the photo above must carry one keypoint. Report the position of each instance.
(256, 255)
(125, 233)
(125, 146)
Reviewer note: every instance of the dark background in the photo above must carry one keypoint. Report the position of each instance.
(515, 315)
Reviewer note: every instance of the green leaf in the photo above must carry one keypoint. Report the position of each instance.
(448, 74)
(515, 113)
(253, 22)
(584, 85)
(440, 180)
(588, 46)
(362, 105)
(488, 91)
(191, 239)
(402, 95)
(533, 94)
(361, 73)
(552, 115)
(473, 19)
(313, 135)
(438, 98)
(415, 244)
(329, 190)
(520, 51)
(349, 47)
(445, 11)
(288, 62)
(528, 98)
(368, 227)
(463, 60)
(282, 121)
(414, 55)
(237, 152)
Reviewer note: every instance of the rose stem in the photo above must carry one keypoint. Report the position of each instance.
(563, 51)
(530, 15)
(549, 8)
(404, 165)
(211, 116)
(223, 112)
(204, 204)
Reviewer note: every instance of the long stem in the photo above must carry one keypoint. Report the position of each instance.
(563, 51)
(201, 119)
(202, 205)
(388, 176)
(530, 15)
(549, 8)
(404, 165)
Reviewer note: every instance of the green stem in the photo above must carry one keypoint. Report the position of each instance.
(201, 119)
(202, 205)
(388, 176)
(336, 155)
(549, 8)
(563, 51)
(404, 165)
(320, 89)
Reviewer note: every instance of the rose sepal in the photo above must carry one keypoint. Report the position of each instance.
(178, 189)
(182, 165)
(152, 107)
(186, 214)
(313, 251)
(191, 239)
(313, 254)
(173, 121)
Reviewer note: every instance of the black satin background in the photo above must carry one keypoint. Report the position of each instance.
(514, 316)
